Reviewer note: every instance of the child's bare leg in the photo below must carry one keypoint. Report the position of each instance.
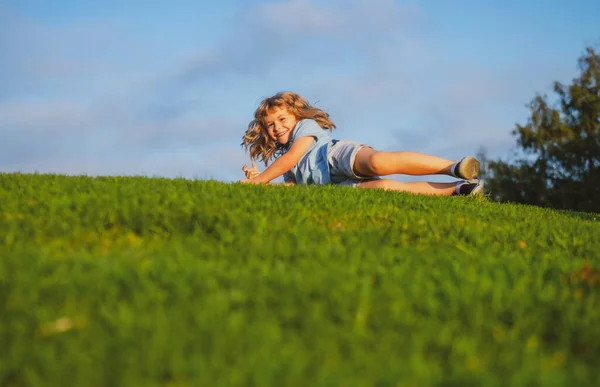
(418, 187)
(370, 162)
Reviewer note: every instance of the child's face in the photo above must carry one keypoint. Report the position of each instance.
(280, 125)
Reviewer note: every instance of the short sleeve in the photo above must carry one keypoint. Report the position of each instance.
(308, 128)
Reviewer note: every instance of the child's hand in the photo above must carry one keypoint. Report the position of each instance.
(249, 181)
(251, 173)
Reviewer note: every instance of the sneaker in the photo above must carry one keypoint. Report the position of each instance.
(473, 187)
(467, 168)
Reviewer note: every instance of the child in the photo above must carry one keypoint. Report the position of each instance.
(296, 134)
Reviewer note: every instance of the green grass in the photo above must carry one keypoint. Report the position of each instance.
(133, 281)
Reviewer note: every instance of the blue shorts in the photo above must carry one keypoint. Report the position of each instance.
(341, 156)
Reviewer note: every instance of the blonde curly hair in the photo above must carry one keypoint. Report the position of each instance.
(256, 138)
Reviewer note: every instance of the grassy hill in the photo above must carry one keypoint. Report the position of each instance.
(133, 281)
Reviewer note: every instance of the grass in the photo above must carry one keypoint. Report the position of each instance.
(134, 281)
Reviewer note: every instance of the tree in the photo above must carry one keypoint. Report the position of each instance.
(559, 146)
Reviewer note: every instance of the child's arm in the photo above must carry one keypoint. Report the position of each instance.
(253, 172)
(283, 163)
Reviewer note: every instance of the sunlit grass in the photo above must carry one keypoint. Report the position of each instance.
(145, 281)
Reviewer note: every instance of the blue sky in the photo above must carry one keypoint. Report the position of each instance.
(166, 88)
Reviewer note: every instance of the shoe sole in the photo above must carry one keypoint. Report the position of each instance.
(469, 168)
(478, 190)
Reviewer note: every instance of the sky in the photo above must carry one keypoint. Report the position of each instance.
(167, 88)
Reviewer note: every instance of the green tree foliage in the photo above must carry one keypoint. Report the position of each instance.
(560, 148)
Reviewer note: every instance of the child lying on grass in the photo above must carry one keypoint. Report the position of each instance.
(290, 130)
